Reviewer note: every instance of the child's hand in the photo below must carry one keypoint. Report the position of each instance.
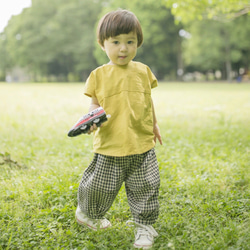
(93, 128)
(157, 133)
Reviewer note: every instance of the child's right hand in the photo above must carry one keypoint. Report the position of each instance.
(93, 128)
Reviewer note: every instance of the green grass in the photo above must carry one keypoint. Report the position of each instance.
(204, 165)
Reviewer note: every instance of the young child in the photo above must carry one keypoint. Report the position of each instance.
(124, 145)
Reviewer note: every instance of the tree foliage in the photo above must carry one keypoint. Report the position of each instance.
(54, 37)
(215, 45)
(56, 40)
(222, 10)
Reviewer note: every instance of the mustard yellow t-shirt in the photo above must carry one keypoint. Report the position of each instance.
(124, 92)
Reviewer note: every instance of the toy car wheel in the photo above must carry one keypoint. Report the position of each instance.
(83, 127)
(96, 120)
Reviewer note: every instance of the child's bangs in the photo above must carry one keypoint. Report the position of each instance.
(117, 23)
(121, 25)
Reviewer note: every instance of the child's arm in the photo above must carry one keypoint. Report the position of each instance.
(93, 105)
(156, 127)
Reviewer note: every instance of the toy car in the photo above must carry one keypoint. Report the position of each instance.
(96, 116)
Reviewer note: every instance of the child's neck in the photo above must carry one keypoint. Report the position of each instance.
(111, 63)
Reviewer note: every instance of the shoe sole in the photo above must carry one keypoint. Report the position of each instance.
(89, 226)
(142, 247)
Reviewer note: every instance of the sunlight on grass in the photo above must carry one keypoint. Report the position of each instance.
(204, 166)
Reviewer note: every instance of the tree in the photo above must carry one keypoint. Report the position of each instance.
(57, 38)
(54, 38)
(218, 46)
(222, 10)
(213, 44)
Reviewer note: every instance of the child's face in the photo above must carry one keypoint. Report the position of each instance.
(121, 49)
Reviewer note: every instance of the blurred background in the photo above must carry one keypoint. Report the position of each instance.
(55, 41)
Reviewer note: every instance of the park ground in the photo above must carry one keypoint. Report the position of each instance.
(204, 166)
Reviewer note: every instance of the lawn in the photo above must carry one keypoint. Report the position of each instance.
(204, 165)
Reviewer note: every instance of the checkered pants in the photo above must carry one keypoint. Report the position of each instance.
(104, 177)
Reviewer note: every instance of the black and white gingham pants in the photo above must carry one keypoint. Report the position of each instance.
(104, 177)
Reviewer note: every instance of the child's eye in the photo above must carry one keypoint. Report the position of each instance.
(115, 42)
(130, 42)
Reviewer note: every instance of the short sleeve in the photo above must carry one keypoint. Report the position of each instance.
(152, 79)
(89, 88)
(154, 84)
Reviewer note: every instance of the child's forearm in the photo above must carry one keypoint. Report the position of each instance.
(94, 104)
(156, 128)
(154, 115)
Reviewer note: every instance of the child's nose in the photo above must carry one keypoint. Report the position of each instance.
(123, 47)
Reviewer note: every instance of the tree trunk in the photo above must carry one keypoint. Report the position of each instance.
(180, 67)
(228, 63)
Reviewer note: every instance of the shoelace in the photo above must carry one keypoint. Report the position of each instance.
(148, 228)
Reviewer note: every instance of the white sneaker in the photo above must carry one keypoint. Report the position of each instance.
(144, 237)
(93, 224)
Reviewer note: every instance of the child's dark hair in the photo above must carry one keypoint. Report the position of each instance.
(119, 22)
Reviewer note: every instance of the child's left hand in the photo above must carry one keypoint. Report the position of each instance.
(157, 133)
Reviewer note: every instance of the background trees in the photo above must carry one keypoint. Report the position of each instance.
(220, 31)
(223, 10)
(55, 41)
(53, 38)
(215, 45)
